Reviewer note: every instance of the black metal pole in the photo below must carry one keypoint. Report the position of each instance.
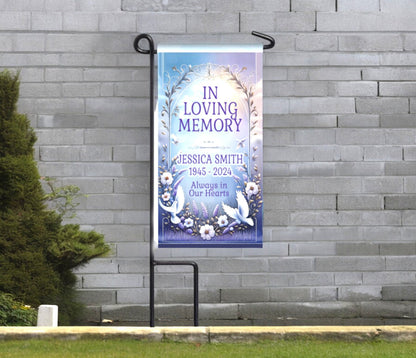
(151, 53)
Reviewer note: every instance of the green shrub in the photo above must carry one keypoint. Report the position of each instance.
(37, 252)
(15, 313)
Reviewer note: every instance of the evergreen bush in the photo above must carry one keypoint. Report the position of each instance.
(37, 252)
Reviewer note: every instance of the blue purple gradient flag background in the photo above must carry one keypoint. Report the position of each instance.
(209, 139)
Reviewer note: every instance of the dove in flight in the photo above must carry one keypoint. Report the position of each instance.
(176, 206)
(239, 214)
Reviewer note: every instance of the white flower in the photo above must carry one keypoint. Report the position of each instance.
(189, 222)
(251, 189)
(166, 178)
(222, 221)
(166, 196)
(207, 232)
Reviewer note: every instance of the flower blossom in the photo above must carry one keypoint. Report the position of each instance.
(166, 178)
(207, 232)
(166, 196)
(251, 189)
(222, 221)
(189, 222)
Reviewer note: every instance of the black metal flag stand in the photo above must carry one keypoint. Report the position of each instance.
(151, 51)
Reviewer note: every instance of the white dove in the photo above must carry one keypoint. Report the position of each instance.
(176, 206)
(240, 214)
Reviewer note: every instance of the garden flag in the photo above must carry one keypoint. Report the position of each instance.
(208, 146)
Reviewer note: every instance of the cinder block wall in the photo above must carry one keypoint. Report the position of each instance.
(339, 143)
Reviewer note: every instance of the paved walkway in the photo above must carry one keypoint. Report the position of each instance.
(215, 334)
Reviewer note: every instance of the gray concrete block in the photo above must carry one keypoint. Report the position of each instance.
(314, 5)
(359, 169)
(239, 295)
(399, 293)
(383, 185)
(313, 279)
(400, 263)
(249, 20)
(389, 74)
(400, 248)
(67, 121)
(359, 120)
(358, 6)
(371, 42)
(63, 74)
(410, 184)
(344, 21)
(217, 280)
(132, 249)
(337, 185)
(355, 89)
(397, 6)
(291, 294)
(131, 185)
(359, 293)
(291, 264)
(361, 202)
(400, 168)
(370, 218)
(313, 218)
(80, 21)
(350, 263)
(357, 249)
(46, 21)
(96, 297)
(295, 21)
(383, 153)
(268, 249)
(300, 202)
(382, 105)
(322, 105)
(347, 136)
(265, 280)
(270, 5)
(112, 281)
(19, 5)
(118, 22)
(134, 265)
(15, 20)
(80, 89)
(186, 295)
(28, 90)
(312, 249)
(212, 22)
(244, 265)
(116, 136)
(103, 5)
(58, 105)
(348, 278)
(133, 296)
(75, 153)
(388, 278)
(387, 309)
(275, 105)
(409, 153)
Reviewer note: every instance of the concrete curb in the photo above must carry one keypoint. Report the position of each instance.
(215, 334)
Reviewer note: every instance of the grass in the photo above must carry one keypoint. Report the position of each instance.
(130, 348)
